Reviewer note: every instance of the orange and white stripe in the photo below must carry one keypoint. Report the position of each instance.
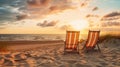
(92, 38)
(72, 38)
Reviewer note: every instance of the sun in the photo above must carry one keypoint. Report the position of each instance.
(79, 24)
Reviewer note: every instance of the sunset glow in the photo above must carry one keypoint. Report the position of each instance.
(79, 24)
(44, 16)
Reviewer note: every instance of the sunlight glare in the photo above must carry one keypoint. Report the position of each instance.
(79, 24)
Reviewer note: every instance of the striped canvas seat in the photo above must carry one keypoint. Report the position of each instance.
(72, 40)
(92, 40)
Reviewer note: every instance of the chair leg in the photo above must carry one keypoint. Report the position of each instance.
(83, 47)
(78, 50)
(98, 48)
(64, 51)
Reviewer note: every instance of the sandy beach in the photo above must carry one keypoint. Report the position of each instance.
(51, 54)
(32, 33)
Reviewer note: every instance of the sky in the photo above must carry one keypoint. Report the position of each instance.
(57, 16)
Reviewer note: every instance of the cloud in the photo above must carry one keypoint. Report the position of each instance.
(90, 15)
(47, 24)
(31, 2)
(84, 3)
(56, 9)
(21, 16)
(41, 8)
(44, 2)
(9, 9)
(111, 19)
(39, 3)
(108, 24)
(95, 8)
(5, 2)
(66, 27)
(113, 14)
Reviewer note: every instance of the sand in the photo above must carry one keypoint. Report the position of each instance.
(51, 54)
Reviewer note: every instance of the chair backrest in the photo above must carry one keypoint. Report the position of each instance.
(93, 37)
(72, 39)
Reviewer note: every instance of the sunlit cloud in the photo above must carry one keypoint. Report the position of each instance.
(111, 19)
(47, 23)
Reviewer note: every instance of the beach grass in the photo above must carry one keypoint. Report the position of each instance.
(108, 36)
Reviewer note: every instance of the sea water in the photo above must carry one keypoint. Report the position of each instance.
(34, 37)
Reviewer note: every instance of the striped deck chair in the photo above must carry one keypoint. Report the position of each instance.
(92, 40)
(72, 41)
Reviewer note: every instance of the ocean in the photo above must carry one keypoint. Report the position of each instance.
(34, 37)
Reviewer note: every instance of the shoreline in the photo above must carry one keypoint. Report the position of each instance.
(30, 42)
